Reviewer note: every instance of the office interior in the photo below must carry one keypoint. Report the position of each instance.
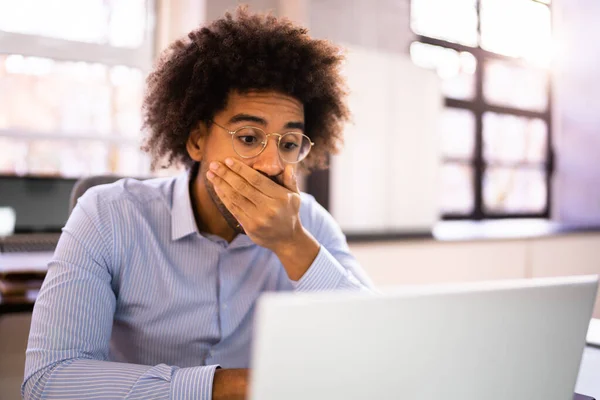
(473, 153)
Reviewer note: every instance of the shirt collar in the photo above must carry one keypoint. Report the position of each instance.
(241, 241)
(183, 222)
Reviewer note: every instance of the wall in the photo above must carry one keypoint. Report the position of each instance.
(385, 27)
(386, 179)
(420, 262)
(355, 22)
(216, 8)
(577, 111)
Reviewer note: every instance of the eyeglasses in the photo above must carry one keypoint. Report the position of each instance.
(250, 141)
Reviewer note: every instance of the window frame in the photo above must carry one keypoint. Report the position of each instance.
(479, 106)
(64, 50)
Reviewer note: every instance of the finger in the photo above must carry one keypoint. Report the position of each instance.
(238, 183)
(242, 218)
(229, 195)
(289, 179)
(254, 178)
(238, 212)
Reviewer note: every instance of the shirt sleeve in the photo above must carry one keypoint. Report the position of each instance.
(334, 267)
(68, 348)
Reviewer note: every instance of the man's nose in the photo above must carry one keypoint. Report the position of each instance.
(269, 162)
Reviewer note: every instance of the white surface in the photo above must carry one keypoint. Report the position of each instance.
(25, 262)
(494, 229)
(587, 381)
(566, 255)
(386, 177)
(8, 217)
(432, 261)
(593, 334)
(517, 340)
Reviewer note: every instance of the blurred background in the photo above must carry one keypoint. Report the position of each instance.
(517, 133)
(473, 154)
(71, 83)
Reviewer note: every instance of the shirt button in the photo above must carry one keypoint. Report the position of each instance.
(225, 307)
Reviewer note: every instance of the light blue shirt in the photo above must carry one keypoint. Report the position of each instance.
(138, 304)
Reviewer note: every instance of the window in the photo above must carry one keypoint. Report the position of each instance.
(71, 86)
(493, 59)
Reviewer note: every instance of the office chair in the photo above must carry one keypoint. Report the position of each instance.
(84, 184)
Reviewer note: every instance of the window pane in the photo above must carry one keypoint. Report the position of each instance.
(454, 21)
(457, 69)
(116, 22)
(69, 97)
(457, 188)
(53, 157)
(128, 160)
(457, 131)
(517, 28)
(510, 139)
(510, 190)
(127, 23)
(63, 96)
(515, 86)
(128, 90)
(13, 156)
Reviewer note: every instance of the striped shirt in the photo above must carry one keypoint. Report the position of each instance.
(139, 304)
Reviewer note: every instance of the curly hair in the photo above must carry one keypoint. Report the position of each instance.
(195, 75)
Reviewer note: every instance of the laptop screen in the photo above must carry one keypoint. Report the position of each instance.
(41, 204)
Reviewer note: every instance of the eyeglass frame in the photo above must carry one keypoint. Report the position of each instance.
(279, 136)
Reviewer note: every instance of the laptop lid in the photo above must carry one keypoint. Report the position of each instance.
(41, 204)
(517, 340)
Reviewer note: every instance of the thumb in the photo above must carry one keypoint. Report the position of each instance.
(289, 179)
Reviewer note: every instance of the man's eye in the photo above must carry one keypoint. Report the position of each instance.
(247, 139)
(289, 146)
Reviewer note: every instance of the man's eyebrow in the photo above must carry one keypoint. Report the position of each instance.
(247, 118)
(295, 125)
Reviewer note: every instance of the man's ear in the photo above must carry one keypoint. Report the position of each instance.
(196, 140)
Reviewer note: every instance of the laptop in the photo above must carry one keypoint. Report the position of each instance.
(41, 208)
(517, 340)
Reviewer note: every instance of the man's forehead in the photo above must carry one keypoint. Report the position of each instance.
(264, 101)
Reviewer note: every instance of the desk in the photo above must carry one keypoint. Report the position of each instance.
(9, 305)
(589, 370)
(587, 380)
(29, 262)
(582, 397)
(36, 263)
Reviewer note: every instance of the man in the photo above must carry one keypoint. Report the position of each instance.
(152, 288)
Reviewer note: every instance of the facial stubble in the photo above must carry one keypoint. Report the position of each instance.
(227, 215)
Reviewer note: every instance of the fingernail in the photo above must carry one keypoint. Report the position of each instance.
(229, 161)
(214, 166)
(210, 175)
